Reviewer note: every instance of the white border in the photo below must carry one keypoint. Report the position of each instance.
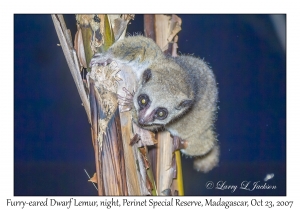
(187, 6)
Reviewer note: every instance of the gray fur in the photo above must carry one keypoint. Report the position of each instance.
(184, 85)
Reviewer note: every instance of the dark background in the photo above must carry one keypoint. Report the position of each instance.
(52, 141)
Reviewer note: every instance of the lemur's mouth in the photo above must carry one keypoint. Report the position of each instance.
(145, 125)
(150, 125)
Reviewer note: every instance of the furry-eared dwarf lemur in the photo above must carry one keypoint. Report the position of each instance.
(178, 94)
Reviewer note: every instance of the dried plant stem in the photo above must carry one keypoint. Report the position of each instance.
(72, 60)
(179, 178)
(149, 26)
(165, 167)
(94, 131)
(134, 181)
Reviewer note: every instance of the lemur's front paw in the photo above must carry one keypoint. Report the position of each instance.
(99, 60)
(178, 143)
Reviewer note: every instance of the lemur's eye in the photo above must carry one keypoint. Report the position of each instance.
(161, 113)
(143, 100)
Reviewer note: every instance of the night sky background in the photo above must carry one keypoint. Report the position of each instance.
(52, 140)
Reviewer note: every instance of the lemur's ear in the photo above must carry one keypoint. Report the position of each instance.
(146, 76)
(184, 104)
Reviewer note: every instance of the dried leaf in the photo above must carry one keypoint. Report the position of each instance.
(135, 139)
(128, 17)
(142, 171)
(174, 47)
(84, 20)
(149, 184)
(106, 76)
(143, 151)
(167, 27)
(93, 179)
(162, 28)
(147, 137)
(108, 35)
(112, 18)
(79, 47)
(150, 177)
(149, 26)
(175, 27)
(102, 22)
(120, 26)
(146, 162)
(93, 28)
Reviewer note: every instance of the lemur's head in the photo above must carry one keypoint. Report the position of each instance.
(159, 100)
